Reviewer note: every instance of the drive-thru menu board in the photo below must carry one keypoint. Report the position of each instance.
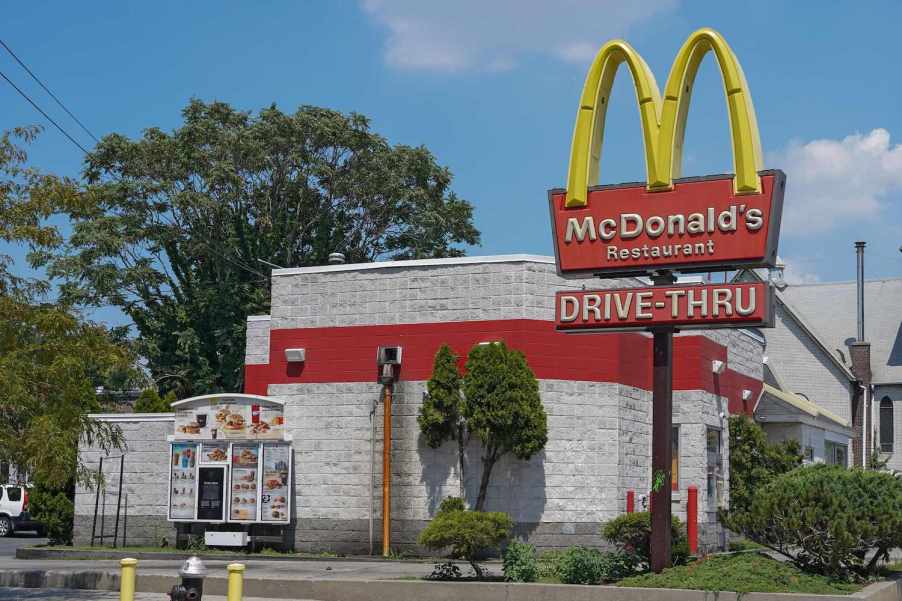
(245, 464)
(220, 468)
(276, 469)
(183, 481)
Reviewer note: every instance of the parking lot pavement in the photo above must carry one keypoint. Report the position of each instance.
(9, 544)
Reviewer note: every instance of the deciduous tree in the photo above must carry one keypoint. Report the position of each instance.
(175, 227)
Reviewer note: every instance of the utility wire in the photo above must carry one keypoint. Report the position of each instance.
(40, 110)
(46, 89)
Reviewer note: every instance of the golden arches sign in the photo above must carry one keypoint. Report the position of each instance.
(663, 121)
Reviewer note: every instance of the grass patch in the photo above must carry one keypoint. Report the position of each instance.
(894, 567)
(744, 544)
(744, 573)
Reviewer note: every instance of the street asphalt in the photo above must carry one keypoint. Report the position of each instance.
(9, 544)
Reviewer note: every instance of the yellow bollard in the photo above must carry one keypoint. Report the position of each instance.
(236, 581)
(127, 579)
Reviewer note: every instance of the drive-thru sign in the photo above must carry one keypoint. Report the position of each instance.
(665, 225)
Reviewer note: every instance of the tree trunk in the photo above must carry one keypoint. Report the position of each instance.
(461, 448)
(488, 462)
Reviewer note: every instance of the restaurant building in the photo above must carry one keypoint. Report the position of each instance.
(314, 364)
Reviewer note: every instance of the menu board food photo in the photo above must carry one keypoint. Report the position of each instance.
(183, 481)
(276, 483)
(230, 418)
(214, 452)
(243, 491)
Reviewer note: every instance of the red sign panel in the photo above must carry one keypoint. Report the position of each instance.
(686, 306)
(700, 225)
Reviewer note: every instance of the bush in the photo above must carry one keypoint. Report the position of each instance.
(520, 563)
(55, 511)
(827, 519)
(579, 565)
(631, 533)
(468, 533)
(754, 461)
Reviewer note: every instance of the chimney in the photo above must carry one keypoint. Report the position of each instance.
(860, 350)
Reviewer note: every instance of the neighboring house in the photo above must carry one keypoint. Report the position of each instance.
(813, 356)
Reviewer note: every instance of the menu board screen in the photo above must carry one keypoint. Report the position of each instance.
(245, 463)
(276, 483)
(183, 482)
(230, 418)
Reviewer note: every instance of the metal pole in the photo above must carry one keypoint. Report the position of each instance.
(386, 473)
(96, 500)
(118, 500)
(661, 432)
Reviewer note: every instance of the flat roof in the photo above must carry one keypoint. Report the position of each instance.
(518, 258)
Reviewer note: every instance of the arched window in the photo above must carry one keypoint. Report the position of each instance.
(886, 425)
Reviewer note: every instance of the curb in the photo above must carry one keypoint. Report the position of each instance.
(402, 590)
(76, 554)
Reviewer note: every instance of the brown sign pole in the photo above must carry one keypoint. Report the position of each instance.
(661, 434)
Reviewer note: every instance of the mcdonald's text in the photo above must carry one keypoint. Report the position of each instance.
(687, 306)
(699, 225)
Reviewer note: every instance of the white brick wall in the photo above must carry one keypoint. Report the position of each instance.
(256, 350)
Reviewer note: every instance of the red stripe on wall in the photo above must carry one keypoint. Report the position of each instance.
(348, 354)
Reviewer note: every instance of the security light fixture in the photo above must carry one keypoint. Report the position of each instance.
(746, 394)
(295, 355)
(388, 355)
(717, 366)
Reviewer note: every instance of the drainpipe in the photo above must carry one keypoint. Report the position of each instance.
(372, 467)
(859, 252)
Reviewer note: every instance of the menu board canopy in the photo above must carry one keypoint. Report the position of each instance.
(229, 417)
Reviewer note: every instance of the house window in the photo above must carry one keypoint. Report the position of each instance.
(714, 466)
(886, 425)
(675, 458)
(836, 454)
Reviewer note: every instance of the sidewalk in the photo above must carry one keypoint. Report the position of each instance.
(63, 594)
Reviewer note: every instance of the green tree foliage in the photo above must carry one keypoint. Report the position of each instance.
(55, 510)
(441, 414)
(150, 401)
(503, 408)
(173, 226)
(631, 533)
(520, 562)
(827, 519)
(754, 461)
(51, 361)
(467, 533)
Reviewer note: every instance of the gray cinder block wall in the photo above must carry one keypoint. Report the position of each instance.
(599, 442)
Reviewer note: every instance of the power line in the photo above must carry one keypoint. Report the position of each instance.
(46, 89)
(40, 110)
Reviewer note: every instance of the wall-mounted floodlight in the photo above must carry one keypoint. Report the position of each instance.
(746, 394)
(388, 355)
(718, 366)
(295, 355)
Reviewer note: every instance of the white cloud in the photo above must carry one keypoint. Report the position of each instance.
(838, 182)
(494, 34)
(800, 270)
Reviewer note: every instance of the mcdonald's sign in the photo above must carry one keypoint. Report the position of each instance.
(668, 223)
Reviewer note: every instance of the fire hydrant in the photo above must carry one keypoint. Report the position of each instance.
(191, 587)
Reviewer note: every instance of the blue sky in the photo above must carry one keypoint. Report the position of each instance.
(491, 87)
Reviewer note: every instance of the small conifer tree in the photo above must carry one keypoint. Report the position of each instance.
(441, 415)
(502, 407)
